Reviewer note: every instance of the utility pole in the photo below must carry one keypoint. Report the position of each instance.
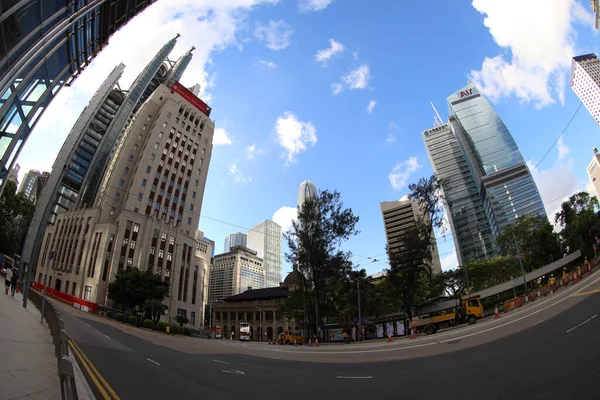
(520, 262)
(359, 312)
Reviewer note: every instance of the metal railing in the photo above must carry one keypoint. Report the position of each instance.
(59, 335)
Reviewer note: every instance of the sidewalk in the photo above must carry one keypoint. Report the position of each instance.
(28, 366)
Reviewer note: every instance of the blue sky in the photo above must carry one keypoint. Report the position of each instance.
(338, 91)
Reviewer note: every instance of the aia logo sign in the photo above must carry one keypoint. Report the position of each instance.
(466, 93)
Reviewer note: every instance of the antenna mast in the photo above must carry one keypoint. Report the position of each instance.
(437, 117)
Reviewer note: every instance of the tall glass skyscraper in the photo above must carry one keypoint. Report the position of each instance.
(46, 45)
(489, 183)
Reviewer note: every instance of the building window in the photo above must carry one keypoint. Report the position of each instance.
(152, 250)
(88, 292)
(139, 197)
(156, 145)
(121, 183)
(193, 195)
(152, 156)
(149, 203)
(144, 127)
(130, 157)
(163, 237)
(117, 196)
(197, 182)
(155, 233)
(189, 220)
(144, 183)
(191, 207)
(193, 318)
(126, 170)
(136, 227)
(148, 169)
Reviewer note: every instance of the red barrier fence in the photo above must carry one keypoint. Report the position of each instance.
(81, 304)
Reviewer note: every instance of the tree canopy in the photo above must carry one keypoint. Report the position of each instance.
(580, 222)
(532, 237)
(134, 288)
(410, 272)
(16, 212)
(314, 242)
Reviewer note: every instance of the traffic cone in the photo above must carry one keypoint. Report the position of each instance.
(412, 333)
(309, 342)
(496, 316)
(317, 342)
(390, 339)
(295, 344)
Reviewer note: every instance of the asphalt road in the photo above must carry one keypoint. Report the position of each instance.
(555, 354)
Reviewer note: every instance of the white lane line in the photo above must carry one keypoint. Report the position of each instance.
(152, 361)
(354, 377)
(584, 322)
(107, 336)
(235, 372)
(222, 362)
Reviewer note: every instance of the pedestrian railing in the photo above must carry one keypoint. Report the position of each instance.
(60, 339)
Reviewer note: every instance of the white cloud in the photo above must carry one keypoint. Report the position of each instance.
(449, 261)
(556, 184)
(252, 151)
(355, 79)
(221, 137)
(313, 5)
(268, 64)
(563, 149)
(371, 106)
(237, 174)
(390, 138)
(294, 136)
(276, 34)
(358, 78)
(284, 217)
(209, 26)
(355, 55)
(402, 171)
(537, 37)
(323, 56)
(337, 88)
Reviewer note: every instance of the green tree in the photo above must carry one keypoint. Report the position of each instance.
(487, 273)
(16, 212)
(181, 320)
(580, 223)
(411, 258)
(155, 309)
(452, 282)
(314, 242)
(134, 288)
(532, 237)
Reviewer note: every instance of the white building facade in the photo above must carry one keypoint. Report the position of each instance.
(585, 81)
(146, 213)
(234, 272)
(265, 239)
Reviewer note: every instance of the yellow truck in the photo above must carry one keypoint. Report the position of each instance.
(470, 311)
(289, 336)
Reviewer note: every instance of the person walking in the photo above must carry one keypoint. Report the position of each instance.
(7, 279)
(13, 282)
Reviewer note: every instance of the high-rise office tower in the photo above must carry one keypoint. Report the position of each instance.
(472, 235)
(235, 239)
(78, 168)
(46, 45)
(593, 171)
(585, 81)
(400, 216)
(234, 272)
(265, 239)
(486, 151)
(595, 4)
(147, 211)
(33, 182)
(306, 190)
(205, 249)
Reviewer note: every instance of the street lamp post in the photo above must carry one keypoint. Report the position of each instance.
(359, 312)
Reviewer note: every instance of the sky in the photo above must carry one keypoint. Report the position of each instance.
(339, 91)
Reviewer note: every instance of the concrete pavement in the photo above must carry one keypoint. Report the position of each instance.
(28, 366)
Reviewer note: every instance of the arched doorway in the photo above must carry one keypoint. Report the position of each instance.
(270, 332)
(225, 331)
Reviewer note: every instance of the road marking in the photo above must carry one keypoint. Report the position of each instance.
(235, 372)
(585, 293)
(584, 322)
(354, 377)
(93, 373)
(222, 362)
(152, 361)
(107, 336)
